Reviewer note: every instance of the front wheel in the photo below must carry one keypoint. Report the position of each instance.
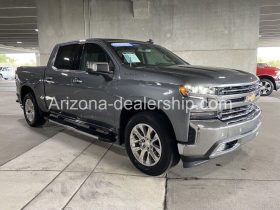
(149, 143)
(266, 87)
(32, 113)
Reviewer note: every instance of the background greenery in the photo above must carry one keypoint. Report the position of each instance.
(274, 63)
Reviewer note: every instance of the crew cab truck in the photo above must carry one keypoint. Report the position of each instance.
(269, 77)
(155, 137)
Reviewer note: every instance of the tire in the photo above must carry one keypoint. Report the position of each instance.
(1, 77)
(267, 87)
(32, 113)
(159, 148)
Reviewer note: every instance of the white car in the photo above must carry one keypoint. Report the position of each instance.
(6, 73)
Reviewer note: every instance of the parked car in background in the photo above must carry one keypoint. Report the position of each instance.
(6, 73)
(269, 77)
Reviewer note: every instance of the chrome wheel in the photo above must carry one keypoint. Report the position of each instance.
(145, 144)
(29, 110)
(265, 88)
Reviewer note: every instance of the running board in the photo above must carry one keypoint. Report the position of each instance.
(86, 131)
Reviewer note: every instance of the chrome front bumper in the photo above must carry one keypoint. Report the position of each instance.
(215, 138)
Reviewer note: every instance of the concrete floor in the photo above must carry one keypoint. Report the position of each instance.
(53, 168)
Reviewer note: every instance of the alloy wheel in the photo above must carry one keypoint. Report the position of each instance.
(29, 110)
(145, 144)
(265, 88)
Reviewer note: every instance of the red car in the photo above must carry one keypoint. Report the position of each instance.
(270, 78)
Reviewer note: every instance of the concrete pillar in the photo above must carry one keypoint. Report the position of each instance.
(221, 33)
(141, 9)
(59, 21)
(37, 55)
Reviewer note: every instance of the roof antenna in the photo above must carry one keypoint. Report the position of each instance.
(151, 41)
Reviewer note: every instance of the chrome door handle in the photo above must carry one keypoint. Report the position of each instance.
(49, 80)
(77, 81)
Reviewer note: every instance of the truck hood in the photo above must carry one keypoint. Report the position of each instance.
(200, 75)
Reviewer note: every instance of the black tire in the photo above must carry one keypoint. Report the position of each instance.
(267, 87)
(38, 118)
(169, 152)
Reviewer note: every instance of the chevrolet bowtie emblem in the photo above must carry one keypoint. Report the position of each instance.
(251, 98)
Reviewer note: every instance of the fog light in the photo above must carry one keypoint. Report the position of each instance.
(221, 147)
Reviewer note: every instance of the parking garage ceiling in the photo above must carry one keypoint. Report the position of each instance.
(269, 33)
(18, 26)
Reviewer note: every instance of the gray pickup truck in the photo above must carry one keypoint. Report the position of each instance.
(156, 104)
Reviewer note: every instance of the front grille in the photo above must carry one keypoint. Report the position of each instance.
(242, 108)
(237, 114)
(238, 89)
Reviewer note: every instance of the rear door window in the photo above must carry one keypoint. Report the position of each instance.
(68, 57)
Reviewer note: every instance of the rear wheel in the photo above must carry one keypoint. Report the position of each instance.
(149, 143)
(32, 113)
(266, 87)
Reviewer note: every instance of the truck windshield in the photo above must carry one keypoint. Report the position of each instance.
(142, 54)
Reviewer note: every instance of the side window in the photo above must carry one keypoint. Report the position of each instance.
(68, 57)
(93, 53)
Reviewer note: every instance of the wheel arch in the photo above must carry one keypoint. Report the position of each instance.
(126, 115)
(269, 78)
(24, 90)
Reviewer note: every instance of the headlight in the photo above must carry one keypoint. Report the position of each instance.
(277, 73)
(186, 90)
(200, 90)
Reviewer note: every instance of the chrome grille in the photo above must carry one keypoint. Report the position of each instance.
(228, 114)
(241, 108)
(238, 89)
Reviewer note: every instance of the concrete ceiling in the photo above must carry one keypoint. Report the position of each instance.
(18, 24)
(269, 34)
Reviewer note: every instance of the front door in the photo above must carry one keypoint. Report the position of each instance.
(94, 91)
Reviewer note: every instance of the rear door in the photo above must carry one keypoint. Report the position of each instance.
(58, 78)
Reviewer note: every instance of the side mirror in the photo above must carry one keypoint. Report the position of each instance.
(93, 68)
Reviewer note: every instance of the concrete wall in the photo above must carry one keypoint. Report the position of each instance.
(208, 32)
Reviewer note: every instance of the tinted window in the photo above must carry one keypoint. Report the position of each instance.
(262, 64)
(68, 57)
(93, 53)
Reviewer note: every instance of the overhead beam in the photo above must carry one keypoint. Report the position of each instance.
(19, 27)
(270, 9)
(18, 3)
(270, 17)
(18, 12)
(18, 35)
(16, 38)
(18, 20)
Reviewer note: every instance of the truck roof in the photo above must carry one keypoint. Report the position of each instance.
(102, 39)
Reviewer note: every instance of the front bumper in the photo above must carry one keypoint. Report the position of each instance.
(215, 138)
